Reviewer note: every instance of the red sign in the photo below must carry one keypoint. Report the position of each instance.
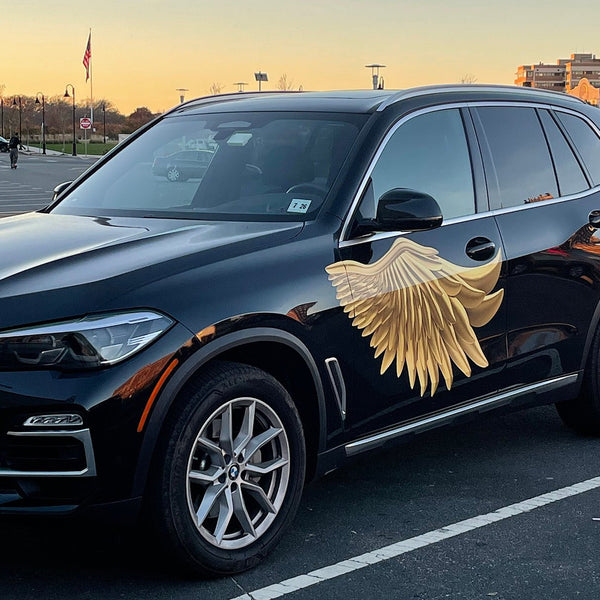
(85, 123)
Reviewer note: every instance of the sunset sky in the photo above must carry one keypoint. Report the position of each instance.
(143, 50)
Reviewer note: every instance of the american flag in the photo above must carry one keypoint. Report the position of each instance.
(86, 57)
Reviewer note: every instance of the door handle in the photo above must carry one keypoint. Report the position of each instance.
(480, 248)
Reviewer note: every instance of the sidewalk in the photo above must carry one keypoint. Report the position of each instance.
(38, 152)
(32, 151)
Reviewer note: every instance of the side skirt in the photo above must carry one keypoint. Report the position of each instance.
(448, 416)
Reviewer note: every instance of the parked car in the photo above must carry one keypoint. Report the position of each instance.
(351, 268)
(3, 144)
(181, 166)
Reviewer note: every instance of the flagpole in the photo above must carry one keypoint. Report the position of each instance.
(91, 86)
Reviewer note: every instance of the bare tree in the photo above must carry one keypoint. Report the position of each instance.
(215, 88)
(284, 84)
(468, 78)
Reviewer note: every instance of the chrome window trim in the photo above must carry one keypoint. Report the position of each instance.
(482, 215)
(430, 421)
(83, 435)
(346, 241)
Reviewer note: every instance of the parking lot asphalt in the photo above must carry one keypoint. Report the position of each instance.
(430, 483)
(30, 186)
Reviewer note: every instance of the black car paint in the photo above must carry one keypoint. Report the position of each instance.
(127, 263)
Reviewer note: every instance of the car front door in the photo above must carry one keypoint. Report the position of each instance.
(425, 309)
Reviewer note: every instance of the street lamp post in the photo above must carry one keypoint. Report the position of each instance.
(182, 92)
(104, 122)
(68, 96)
(14, 103)
(377, 81)
(37, 101)
(2, 105)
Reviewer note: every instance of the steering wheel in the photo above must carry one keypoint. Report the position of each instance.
(252, 170)
(307, 188)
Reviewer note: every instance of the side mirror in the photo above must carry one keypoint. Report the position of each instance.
(402, 209)
(60, 188)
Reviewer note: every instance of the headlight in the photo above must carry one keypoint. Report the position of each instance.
(92, 341)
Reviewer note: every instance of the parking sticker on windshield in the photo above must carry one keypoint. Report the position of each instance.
(299, 206)
(239, 138)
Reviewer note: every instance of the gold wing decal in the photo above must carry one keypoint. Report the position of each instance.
(419, 309)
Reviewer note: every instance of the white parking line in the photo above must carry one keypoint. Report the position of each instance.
(289, 586)
(26, 193)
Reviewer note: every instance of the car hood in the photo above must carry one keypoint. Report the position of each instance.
(45, 252)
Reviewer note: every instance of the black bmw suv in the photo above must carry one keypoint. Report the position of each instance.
(352, 267)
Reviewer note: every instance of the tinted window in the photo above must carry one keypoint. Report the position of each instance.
(568, 170)
(586, 141)
(429, 154)
(518, 165)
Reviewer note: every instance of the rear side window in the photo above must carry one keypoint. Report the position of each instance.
(519, 169)
(586, 141)
(568, 170)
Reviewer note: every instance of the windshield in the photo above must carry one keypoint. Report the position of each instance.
(246, 166)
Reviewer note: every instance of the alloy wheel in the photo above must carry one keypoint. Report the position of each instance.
(173, 174)
(238, 472)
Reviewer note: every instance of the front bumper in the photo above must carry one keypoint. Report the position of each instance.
(60, 453)
(53, 470)
(50, 467)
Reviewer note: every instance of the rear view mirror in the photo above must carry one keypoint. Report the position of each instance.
(60, 188)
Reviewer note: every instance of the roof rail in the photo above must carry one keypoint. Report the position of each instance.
(204, 100)
(441, 89)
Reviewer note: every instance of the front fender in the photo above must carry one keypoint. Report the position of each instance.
(191, 366)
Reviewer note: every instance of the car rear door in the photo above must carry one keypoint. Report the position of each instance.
(543, 191)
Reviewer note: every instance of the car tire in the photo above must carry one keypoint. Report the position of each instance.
(583, 413)
(229, 472)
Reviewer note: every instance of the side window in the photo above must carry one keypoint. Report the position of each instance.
(586, 141)
(568, 170)
(429, 154)
(518, 165)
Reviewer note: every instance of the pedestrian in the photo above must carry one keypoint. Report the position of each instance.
(13, 148)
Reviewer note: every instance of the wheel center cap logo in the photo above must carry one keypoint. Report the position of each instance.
(234, 471)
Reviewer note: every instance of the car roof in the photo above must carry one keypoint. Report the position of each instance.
(360, 101)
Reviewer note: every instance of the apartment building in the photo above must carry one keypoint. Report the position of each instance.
(563, 76)
(546, 76)
(584, 66)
